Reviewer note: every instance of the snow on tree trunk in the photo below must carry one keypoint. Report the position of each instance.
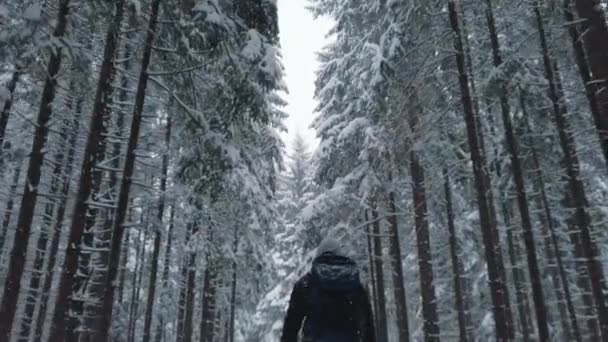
(595, 35)
(593, 90)
(157, 236)
(95, 146)
(457, 269)
(501, 305)
(12, 286)
(575, 185)
(127, 174)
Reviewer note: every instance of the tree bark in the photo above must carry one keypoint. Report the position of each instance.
(94, 147)
(501, 306)
(575, 185)
(379, 276)
(6, 109)
(397, 267)
(183, 294)
(157, 236)
(190, 295)
(47, 224)
(208, 316)
(519, 279)
(125, 187)
(595, 35)
(138, 274)
(457, 270)
(19, 252)
(547, 217)
(423, 242)
(58, 222)
(520, 187)
(167, 263)
(592, 89)
(372, 281)
(232, 318)
(10, 205)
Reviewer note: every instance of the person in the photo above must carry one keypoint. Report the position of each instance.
(329, 303)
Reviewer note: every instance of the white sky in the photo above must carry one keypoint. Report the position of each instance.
(301, 38)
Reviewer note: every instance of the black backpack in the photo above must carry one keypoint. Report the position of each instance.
(334, 300)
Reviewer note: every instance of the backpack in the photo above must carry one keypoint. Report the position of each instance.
(334, 300)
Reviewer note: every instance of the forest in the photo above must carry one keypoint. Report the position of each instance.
(147, 192)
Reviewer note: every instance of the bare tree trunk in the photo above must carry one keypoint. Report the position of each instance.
(94, 146)
(595, 35)
(372, 271)
(519, 279)
(10, 204)
(168, 248)
(547, 217)
(12, 285)
(138, 274)
(183, 294)
(123, 198)
(103, 236)
(6, 109)
(397, 267)
(58, 222)
(575, 185)
(190, 295)
(379, 276)
(499, 291)
(457, 268)
(425, 258)
(47, 224)
(232, 318)
(208, 316)
(157, 236)
(520, 188)
(592, 89)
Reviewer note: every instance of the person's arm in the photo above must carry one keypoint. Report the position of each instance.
(295, 314)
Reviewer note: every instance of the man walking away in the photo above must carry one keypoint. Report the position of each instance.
(329, 304)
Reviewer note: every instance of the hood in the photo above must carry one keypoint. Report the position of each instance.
(335, 272)
(330, 245)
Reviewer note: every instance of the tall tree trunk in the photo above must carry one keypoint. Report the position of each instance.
(595, 35)
(183, 294)
(157, 236)
(519, 279)
(123, 198)
(379, 276)
(210, 286)
(372, 271)
(457, 268)
(95, 147)
(58, 221)
(575, 185)
(499, 291)
(425, 258)
(103, 236)
(232, 318)
(6, 109)
(397, 269)
(10, 204)
(47, 224)
(547, 217)
(160, 328)
(190, 295)
(138, 274)
(592, 89)
(520, 188)
(12, 285)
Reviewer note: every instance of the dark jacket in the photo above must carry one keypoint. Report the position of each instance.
(330, 298)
